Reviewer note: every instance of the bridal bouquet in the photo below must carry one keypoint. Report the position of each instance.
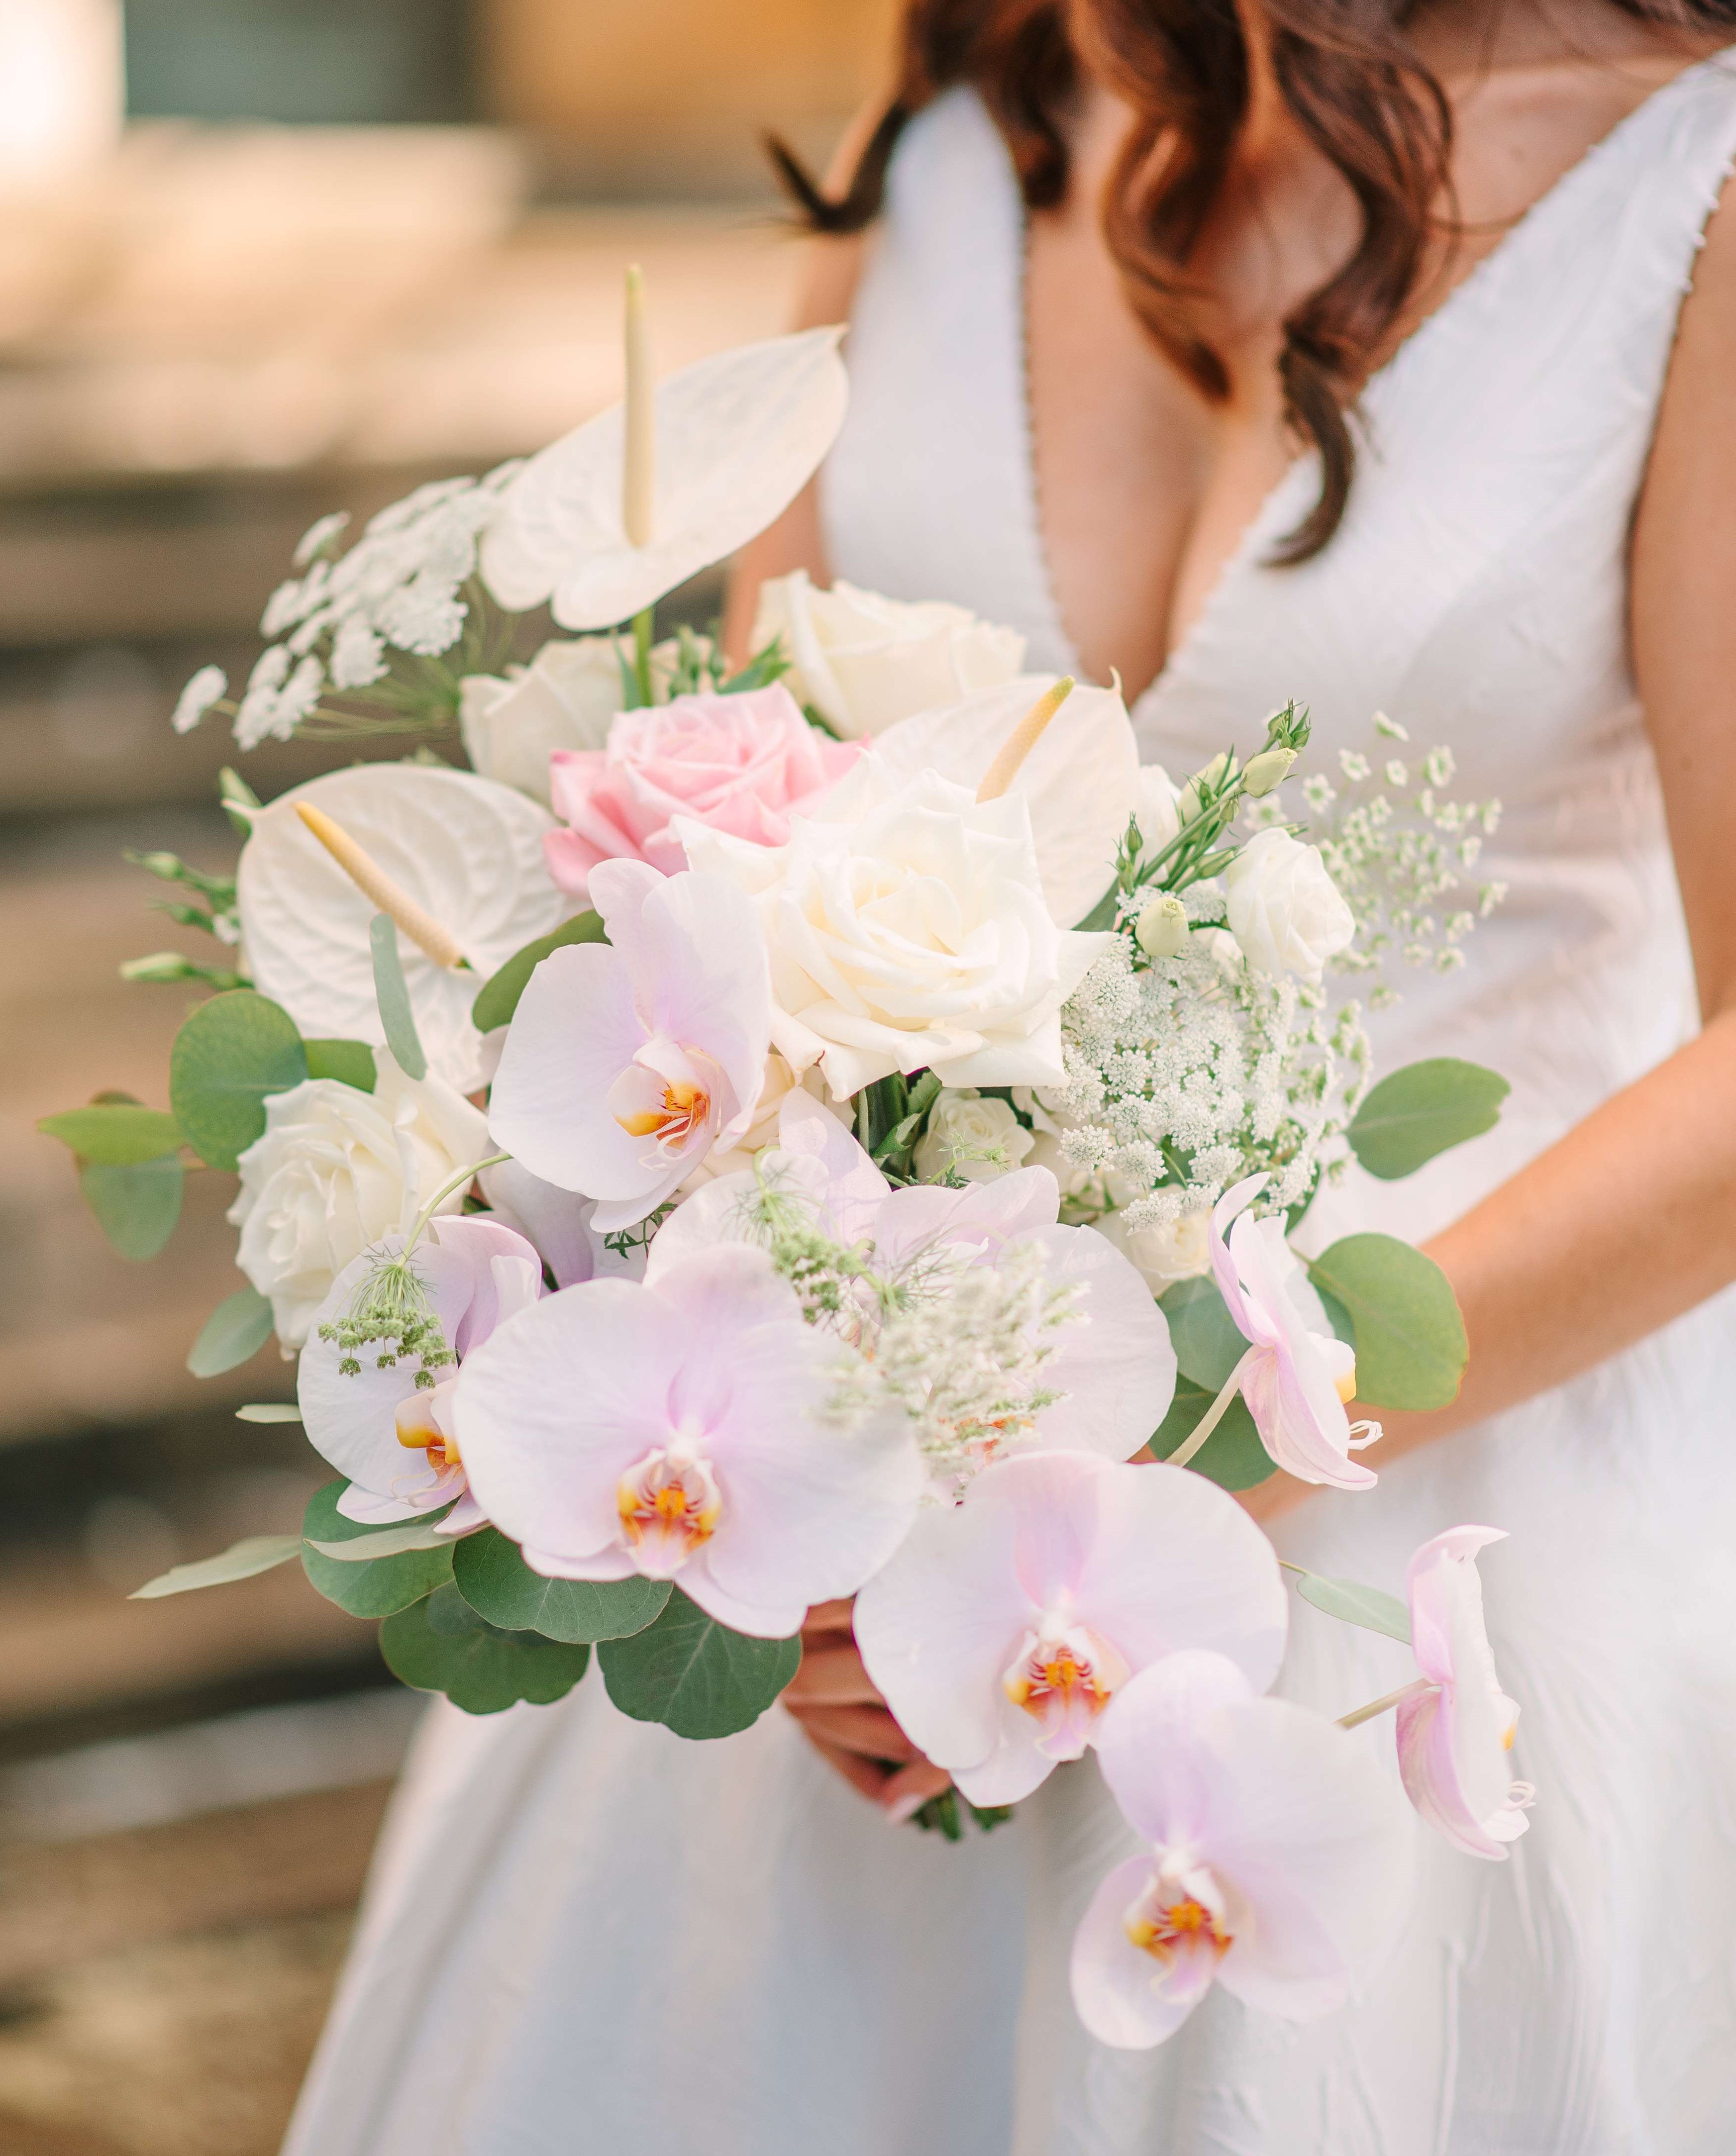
(835, 1129)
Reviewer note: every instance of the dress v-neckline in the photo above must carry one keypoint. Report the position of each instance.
(1253, 532)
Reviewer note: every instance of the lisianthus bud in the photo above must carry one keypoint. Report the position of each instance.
(1267, 771)
(1161, 930)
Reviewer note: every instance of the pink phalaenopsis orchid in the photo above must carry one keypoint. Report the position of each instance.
(627, 1062)
(1274, 1864)
(1295, 1377)
(1004, 1626)
(391, 1436)
(743, 764)
(685, 1431)
(1453, 1740)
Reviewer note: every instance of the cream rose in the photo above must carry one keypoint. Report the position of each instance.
(908, 929)
(1180, 1250)
(865, 662)
(566, 698)
(1285, 912)
(336, 1169)
(976, 1139)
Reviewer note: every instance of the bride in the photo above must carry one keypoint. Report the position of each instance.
(1367, 354)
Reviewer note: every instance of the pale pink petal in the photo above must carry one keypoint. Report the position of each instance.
(1117, 1368)
(1300, 1419)
(556, 1221)
(1224, 1213)
(721, 1211)
(575, 1029)
(987, 1215)
(856, 1189)
(1120, 1992)
(706, 983)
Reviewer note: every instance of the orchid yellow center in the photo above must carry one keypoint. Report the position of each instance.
(669, 1504)
(419, 1430)
(1182, 1921)
(1064, 1675)
(1346, 1383)
(684, 1105)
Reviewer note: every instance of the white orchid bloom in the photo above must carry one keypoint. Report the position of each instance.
(737, 436)
(685, 1430)
(1005, 1625)
(627, 1063)
(467, 851)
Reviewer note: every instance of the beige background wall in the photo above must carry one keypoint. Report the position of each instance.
(670, 97)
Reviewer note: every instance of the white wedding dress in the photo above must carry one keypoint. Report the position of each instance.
(583, 1935)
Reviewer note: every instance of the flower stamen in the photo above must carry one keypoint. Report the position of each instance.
(669, 1504)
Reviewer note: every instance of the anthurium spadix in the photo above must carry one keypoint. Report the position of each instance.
(737, 436)
(686, 1431)
(1081, 779)
(1274, 1864)
(627, 1062)
(1005, 1625)
(1296, 1376)
(466, 852)
(1455, 1740)
(380, 1410)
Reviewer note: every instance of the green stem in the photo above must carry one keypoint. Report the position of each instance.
(1413, 1690)
(1213, 1416)
(464, 1177)
(644, 627)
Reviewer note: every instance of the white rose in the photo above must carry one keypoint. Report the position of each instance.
(568, 697)
(1285, 910)
(908, 929)
(1180, 1250)
(1154, 808)
(979, 1140)
(336, 1169)
(865, 662)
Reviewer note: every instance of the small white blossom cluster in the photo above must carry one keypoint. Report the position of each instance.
(399, 588)
(1397, 851)
(1186, 1074)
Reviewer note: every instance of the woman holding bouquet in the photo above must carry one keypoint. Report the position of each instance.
(1368, 355)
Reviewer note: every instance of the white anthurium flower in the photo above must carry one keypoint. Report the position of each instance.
(737, 436)
(1005, 1625)
(1080, 781)
(567, 698)
(864, 662)
(381, 1423)
(469, 852)
(684, 1429)
(906, 927)
(334, 1170)
(1285, 910)
(1276, 1860)
(628, 1062)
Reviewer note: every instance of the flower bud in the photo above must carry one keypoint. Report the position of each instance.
(1268, 770)
(1161, 929)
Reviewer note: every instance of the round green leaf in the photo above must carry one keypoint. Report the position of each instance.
(694, 1675)
(1421, 1111)
(117, 1134)
(443, 1644)
(494, 1578)
(1203, 1333)
(350, 1061)
(233, 1334)
(135, 1206)
(378, 1588)
(498, 998)
(231, 1054)
(1410, 1345)
(1232, 1456)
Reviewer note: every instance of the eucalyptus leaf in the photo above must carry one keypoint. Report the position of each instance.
(233, 1334)
(1232, 1456)
(441, 1644)
(232, 1054)
(255, 1554)
(498, 998)
(379, 1587)
(387, 1542)
(136, 1206)
(392, 994)
(493, 1578)
(114, 1134)
(694, 1675)
(1410, 1345)
(350, 1062)
(1208, 1347)
(270, 1411)
(1421, 1111)
(1371, 1607)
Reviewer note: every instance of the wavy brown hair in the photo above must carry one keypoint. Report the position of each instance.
(1353, 81)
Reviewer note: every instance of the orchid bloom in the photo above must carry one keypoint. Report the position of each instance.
(1454, 1739)
(1005, 1624)
(1114, 1372)
(1295, 1377)
(685, 1431)
(381, 1424)
(1275, 1863)
(627, 1063)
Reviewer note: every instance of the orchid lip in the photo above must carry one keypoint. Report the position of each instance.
(667, 1093)
(1182, 1908)
(1063, 1676)
(669, 1504)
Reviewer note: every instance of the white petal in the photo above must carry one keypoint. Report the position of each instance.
(576, 1029)
(739, 435)
(1115, 1983)
(1117, 1367)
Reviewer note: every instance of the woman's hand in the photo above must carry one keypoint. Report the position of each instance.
(846, 1721)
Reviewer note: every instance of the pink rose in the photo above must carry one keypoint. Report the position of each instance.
(742, 764)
